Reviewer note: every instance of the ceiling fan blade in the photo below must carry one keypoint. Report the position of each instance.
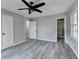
(38, 5)
(22, 8)
(26, 3)
(37, 10)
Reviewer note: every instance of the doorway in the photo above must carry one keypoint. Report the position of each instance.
(32, 29)
(60, 29)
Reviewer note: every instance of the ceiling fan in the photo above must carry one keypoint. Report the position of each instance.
(32, 7)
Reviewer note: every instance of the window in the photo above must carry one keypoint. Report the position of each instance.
(74, 24)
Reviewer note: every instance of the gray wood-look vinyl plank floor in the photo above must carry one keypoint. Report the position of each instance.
(36, 49)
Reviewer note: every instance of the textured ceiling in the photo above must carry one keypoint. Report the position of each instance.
(52, 7)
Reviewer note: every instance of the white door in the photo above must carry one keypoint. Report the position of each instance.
(32, 29)
(7, 31)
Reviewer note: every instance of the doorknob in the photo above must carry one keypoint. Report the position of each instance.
(3, 33)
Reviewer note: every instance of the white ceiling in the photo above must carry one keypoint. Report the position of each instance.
(52, 7)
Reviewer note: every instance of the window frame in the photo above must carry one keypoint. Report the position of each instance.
(72, 25)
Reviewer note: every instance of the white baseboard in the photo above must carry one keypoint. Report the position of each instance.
(19, 42)
(48, 40)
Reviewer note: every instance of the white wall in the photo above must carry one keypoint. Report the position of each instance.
(47, 28)
(73, 43)
(19, 32)
(19, 29)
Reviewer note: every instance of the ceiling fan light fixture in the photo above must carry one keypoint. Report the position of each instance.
(31, 8)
